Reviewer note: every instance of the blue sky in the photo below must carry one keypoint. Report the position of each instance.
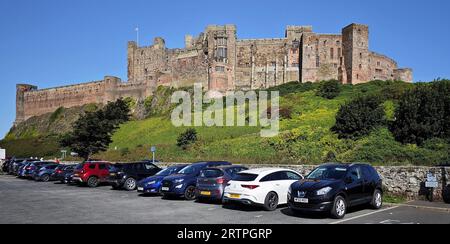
(59, 42)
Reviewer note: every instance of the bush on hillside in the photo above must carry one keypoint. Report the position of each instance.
(92, 131)
(329, 89)
(423, 113)
(187, 138)
(358, 117)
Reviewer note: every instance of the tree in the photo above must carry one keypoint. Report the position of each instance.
(359, 117)
(423, 113)
(187, 138)
(329, 89)
(92, 131)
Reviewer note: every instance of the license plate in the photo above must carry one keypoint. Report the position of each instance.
(235, 196)
(205, 193)
(165, 189)
(140, 189)
(301, 200)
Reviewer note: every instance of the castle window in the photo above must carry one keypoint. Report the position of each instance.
(339, 52)
(221, 54)
(332, 53)
(338, 43)
(273, 64)
(360, 55)
(221, 41)
(325, 42)
(378, 63)
(146, 71)
(317, 61)
(357, 76)
(360, 66)
(220, 69)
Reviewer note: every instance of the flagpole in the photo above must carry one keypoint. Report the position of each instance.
(137, 35)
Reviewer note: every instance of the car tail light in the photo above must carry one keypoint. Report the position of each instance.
(220, 180)
(82, 171)
(251, 187)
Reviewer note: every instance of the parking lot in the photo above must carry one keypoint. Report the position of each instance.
(24, 201)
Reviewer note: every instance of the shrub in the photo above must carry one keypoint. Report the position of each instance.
(187, 138)
(58, 114)
(359, 117)
(329, 89)
(423, 113)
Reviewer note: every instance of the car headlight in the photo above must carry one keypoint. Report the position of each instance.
(324, 191)
(179, 180)
(151, 183)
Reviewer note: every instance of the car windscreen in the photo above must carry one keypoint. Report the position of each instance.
(191, 169)
(328, 172)
(79, 167)
(168, 171)
(211, 173)
(245, 177)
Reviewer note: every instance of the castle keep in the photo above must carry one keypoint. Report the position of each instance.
(222, 62)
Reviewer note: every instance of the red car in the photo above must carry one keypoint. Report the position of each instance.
(91, 173)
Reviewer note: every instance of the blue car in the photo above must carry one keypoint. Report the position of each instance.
(152, 185)
(45, 172)
(184, 183)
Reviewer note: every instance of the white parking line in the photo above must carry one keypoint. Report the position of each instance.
(364, 215)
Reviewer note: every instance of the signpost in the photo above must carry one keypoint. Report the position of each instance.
(431, 183)
(64, 154)
(153, 150)
(2, 154)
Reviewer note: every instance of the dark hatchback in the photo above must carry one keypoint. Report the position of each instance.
(152, 184)
(336, 187)
(212, 181)
(126, 176)
(61, 173)
(184, 183)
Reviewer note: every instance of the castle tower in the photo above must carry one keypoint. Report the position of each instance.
(222, 57)
(132, 47)
(21, 89)
(355, 38)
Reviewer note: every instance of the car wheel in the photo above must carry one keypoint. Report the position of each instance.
(446, 194)
(271, 202)
(45, 178)
(377, 200)
(130, 184)
(339, 208)
(189, 193)
(92, 181)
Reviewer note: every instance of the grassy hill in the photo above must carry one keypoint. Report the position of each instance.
(305, 136)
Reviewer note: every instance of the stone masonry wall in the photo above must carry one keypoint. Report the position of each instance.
(407, 181)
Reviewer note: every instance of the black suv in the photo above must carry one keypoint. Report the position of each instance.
(126, 176)
(336, 187)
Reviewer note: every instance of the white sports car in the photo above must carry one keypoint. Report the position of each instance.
(267, 187)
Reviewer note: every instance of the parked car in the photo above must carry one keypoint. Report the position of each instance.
(15, 166)
(126, 176)
(266, 187)
(336, 187)
(91, 173)
(61, 172)
(184, 183)
(30, 169)
(152, 185)
(212, 181)
(45, 172)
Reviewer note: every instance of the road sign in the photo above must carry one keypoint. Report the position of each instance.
(2, 154)
(153, 149)
(432, 181)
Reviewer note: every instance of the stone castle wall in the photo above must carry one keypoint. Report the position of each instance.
(221, 61)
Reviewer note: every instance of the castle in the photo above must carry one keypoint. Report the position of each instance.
(222, 62)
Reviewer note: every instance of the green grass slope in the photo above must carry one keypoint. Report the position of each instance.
(305, 138)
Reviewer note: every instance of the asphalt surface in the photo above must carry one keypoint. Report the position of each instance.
(25, 201)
